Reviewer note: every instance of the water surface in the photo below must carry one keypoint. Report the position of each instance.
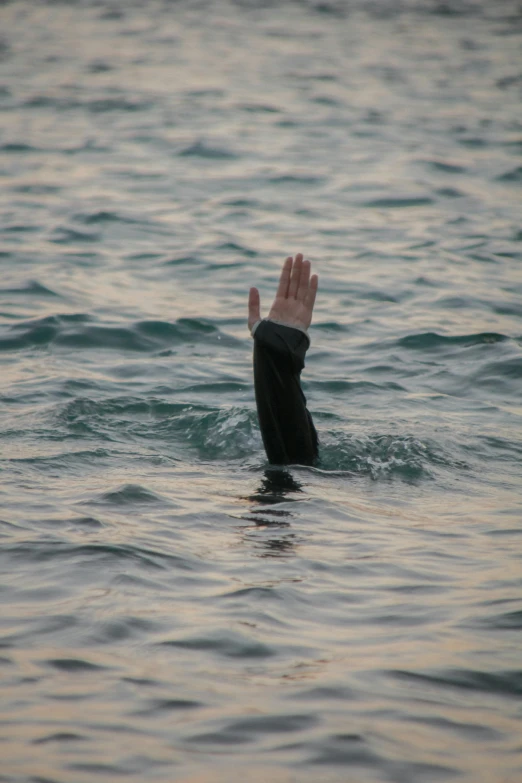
(172, 607)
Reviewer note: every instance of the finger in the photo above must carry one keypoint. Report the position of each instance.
(254, 307)
(296, 276)
(312, 293)
(303, 281)
(284, 280)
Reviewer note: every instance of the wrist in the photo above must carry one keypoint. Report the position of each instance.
(280, 323)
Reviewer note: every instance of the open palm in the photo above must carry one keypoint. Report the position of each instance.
(294, 301)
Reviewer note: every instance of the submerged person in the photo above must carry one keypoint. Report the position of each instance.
(280, 345)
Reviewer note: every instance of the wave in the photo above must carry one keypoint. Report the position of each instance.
(229, 644)
(17, 147)
(130, 495)
(513, 175)
(95, 106)
(77, 331)
(105, 216)
(232, 433)
(432, 341)
(92, 555)
(185, 429)
(445, 167)
(228, 434)
(503, 683)
(398, 202)
(382, 456)
(202, 150)
(212, 433)
(31, 288)
(295, 179)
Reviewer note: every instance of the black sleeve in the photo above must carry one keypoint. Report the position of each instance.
(289, 435)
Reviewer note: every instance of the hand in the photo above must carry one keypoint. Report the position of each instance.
(295, 297)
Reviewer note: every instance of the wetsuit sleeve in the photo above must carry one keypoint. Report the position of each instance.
(288, 432)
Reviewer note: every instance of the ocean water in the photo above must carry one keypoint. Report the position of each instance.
(173, 608)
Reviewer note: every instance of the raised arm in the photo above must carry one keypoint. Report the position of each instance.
(280, 345)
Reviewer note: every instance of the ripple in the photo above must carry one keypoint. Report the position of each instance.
(61, 736)
(105, 770)
(337, 692)
(500, 375)
(507, 683)
(89, 554)
(17, 147)
(101, 105)
(83, 522)
(38, 189)
(233, 247)
(214, 433)
(509, 81)
(450, 193)
(185, 329)
(31, 288)
(509, 621)
(445, 166)
(353, 387)
(473, 142)
(499, 448)
(225, 434)
(259, 108)
(351, 750)
(121, 629)
(182, 261)
(248, 729)
(99, 66)
(64, 236)
(104, 216)
(160, 707)
(468, 730)
(201, 150)
(295, 179)
(74, 665)
(227, 644)
(255, 593)
(129, 494)
(77, 331)
(34, 333)
(431, 341)
(398, 203)
(514, 175)
(104, 105)
(382, 456)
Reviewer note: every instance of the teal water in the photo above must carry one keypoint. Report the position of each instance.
(172, 609)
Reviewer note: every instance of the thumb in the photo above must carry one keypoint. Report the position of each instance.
(254, 305)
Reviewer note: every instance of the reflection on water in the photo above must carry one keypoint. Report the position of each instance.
(277, 487)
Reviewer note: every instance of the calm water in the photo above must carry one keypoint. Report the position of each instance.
(172, 609)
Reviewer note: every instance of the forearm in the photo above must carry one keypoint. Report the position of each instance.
(288, 432)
